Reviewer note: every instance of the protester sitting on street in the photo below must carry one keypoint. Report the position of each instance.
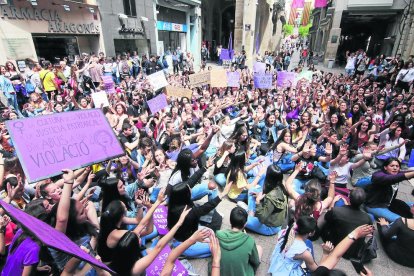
(235, 244)
(291, 250)
(340, 221)
(268, 205)
(397, 239)
(381, 194)
(181, 198)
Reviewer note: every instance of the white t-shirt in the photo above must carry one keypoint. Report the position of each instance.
(343, 173)
(350, 63)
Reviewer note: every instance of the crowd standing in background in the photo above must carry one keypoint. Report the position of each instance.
(321, 158)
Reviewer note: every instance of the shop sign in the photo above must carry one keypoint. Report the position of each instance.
(168, 26)
(56, 25)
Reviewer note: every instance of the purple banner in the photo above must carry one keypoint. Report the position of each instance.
(47, 144)
(298, 3)
(157, 265)
(160, 219)
(109, 84)
(233, 79)
(285, 79)
(263, 81)
(225, 54)
(259, 67)
(157, 103)
(50, 236)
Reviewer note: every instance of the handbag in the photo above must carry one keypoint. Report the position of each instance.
(369, 250)
(285, 163)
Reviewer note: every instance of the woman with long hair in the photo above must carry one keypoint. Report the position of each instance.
(120, 248)
(310, 203)
(180, 198)
(381, 194)
(236, 174)
(283, 149)
(292, 250)
(268, 206)
(69, 217)
(390, 137)
(222, 160)
(164, 168)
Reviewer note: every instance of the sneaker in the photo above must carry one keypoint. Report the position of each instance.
(243, 205)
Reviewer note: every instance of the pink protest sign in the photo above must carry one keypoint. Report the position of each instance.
(50, 236)
(233, 79)
(285, 79)
(157, 103)
(109, 85)
(47, 144)
(157, 265)
(160, 219)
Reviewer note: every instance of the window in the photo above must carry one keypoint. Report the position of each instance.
(130, 8)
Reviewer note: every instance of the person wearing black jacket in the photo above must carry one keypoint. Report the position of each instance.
(340, 221)
(179, 198)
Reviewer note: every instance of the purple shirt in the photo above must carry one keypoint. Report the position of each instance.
(174, 154)
(26, 254)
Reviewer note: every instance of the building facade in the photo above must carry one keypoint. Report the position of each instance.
(128, 25)
(41, 29)
(255, 25)
(178, 25)
(376, 26)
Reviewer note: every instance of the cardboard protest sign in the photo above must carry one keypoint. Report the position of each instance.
(47, 144)
(157, 103)
(218, 78)
(109, 84)
(285, 79)
(225, 54)
(199, 79)
(158, 80)
(100, 99)
(50, 236)
(264, 81)
(178, 92)
(259, 67)
(155, 268)
(160, 219)
(304, 75)
(233, 79)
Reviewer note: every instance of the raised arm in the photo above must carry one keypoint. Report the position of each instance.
(64, 202)
(199, 236)
(289, 182)
(143, 263)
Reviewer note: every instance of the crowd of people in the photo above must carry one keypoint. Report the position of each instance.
(321, 158)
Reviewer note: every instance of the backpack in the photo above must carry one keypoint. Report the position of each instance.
(30, 88)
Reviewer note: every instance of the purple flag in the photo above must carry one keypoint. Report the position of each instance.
(49, 235)
(224, 54)
(160, 219)
(298, 3)
(264, 81)
(47, 144)
(157, 103)
(321, 3)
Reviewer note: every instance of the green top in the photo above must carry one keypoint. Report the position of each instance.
(239, 255)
